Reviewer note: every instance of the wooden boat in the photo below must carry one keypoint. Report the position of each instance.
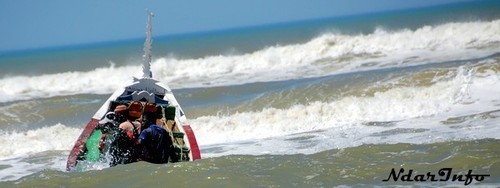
(93, 147)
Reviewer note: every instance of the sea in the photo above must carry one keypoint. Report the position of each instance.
(397, 98)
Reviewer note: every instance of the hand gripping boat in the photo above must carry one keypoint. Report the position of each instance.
(148, 91)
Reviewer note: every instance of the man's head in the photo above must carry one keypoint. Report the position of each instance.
(120, 111)
(149, 115)
(135, 110)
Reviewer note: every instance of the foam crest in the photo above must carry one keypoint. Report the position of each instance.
(56, 137)
(328, 54)
(99, 81)
(333, 53)
(395, 104)
(467, 89)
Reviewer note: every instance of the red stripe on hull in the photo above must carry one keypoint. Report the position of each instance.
(73, 155)
(195, 150)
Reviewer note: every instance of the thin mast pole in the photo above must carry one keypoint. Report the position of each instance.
(146, 64)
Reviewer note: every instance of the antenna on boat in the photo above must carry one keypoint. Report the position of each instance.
(146, 64)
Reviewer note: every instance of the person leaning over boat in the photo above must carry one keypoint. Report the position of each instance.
(124, 147)
(155, 141)
(131, 126)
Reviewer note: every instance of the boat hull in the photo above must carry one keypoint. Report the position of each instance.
(80, 143)
(146, 90)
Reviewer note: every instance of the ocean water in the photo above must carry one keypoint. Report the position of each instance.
(318, 103)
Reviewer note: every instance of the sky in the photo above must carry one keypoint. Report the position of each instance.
(31, 24)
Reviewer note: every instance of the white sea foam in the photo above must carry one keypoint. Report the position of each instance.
(308, 128)
(330, 53)
(463, 94)
(343, 122)
(468, 92)
(392, 105)
(56, 137)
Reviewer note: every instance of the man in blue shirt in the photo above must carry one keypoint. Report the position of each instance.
(155, 141)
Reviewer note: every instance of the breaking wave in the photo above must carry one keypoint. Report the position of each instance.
(327, 54)
(447, 98)
(453, 97)
(56, 137)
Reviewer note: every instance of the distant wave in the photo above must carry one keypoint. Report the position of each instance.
(330, 53)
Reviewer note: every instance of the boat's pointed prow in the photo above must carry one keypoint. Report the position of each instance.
(146, 64)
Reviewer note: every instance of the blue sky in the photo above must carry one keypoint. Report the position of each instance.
(27, 24)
